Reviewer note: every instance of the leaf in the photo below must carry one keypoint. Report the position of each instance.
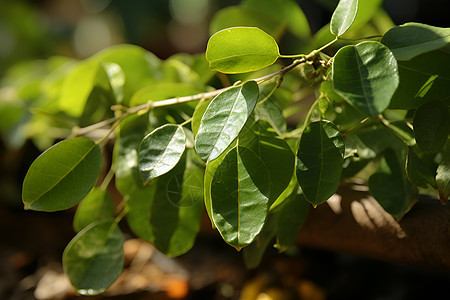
(167, 212)
(160, 151)
(274, 152)
(94, 258)
(443, 177)
(139, 66)
(240, 197)
(241, 49)
(366, 75)
(234, 16)
(390, 186)
(319, 161)
(163, 90)
(98, 205)
(224, 119)
(412, 39)
(431, 126)
(254, 252)
(286, 12)
(198, 114)
(424, 78)
(116, 79)
(343, 16)
(292, 215)
(63, 175)
(420, 169)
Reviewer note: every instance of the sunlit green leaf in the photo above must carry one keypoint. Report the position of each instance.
(411, 39)
(343, 16)
(240, 196)
(286, 12)
(163, 90)
(224, 119)
(116, 79)
(319, 161)
(431, 126)
(366, 75)
(160, 151)
(94, 258)
(234, 16)
(241, 49)
(98, 205)
(63, 175)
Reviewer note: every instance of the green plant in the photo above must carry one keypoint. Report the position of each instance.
(185, 140)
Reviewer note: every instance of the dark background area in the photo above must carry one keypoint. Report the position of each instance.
(31, 243)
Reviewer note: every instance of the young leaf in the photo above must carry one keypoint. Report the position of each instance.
(411, 39)
(94, 258)
(63, 175)
(431, 126)
(241, 49)
(98, 205)
(443, 177)
(319, 161)
(366, 75)
(160, 151)
(224, 119)
(343, 16)
(240, 197)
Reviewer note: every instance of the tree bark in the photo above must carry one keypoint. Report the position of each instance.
(352, 221)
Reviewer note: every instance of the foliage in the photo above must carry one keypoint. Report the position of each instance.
(252, 154)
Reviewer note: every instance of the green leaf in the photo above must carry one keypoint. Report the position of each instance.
(292, 215)
(224, 119)
(431, 126)
(390, 186)
(286, 12)
(422, 79)
(98, 205)
(167, 211)
(343, 16)
(366, 75)
(198, 114)
(140, 67)
(234, 16)
(254, 252)
(116, 79)
(411, 39)
(443, 177)
(275, 153)
(63, 175)
(240, 197)
(94, 258)
(420, 169)
(163, 90)
(319, 161)
(241, 49)
(160, 151)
